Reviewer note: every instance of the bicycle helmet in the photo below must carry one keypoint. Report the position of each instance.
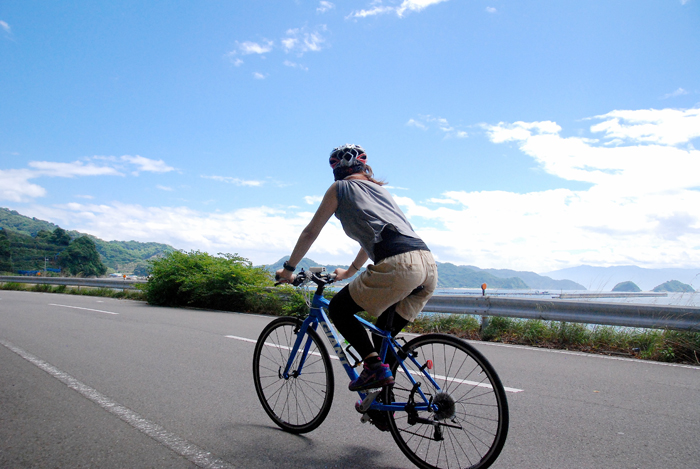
(347, 159)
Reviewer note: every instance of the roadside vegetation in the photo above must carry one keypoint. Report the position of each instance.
(649, 344)
(87, 291)
(229, 282)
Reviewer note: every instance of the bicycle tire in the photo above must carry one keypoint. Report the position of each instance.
(300, 403)
(472, 414)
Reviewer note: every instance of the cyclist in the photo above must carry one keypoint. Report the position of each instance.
(403, 275)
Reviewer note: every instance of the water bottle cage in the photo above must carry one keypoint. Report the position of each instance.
(354, 358)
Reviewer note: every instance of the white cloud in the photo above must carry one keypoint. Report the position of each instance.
(665, 127)
(15, 185)
(236, 181)
(259, 76)
(678, 92)
(165, 188)
(5, 27)
(415, 123)
(491, 10)
(289, 63)
(301, 40)
(640, 209)
(324, 6)
(424, 122)
(69, 170)
(146, 164)
(313, 199)
(249, 47)
(400, 10)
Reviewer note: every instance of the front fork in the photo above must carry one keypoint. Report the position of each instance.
(300, 332)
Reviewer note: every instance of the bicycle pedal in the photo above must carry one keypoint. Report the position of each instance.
(372, 394)
(365, 418)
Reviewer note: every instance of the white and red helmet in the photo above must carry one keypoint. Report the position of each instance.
(347, 159)
(347, 155)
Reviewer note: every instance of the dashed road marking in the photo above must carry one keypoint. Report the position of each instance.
(86, 309)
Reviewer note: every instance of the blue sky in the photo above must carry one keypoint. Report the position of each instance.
(532, 135)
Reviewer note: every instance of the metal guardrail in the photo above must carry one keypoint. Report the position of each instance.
(684, 318)
(119, 283)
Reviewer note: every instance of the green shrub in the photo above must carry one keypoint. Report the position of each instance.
(228, 282)
(13, 286)
(498, 329)
(294, 303)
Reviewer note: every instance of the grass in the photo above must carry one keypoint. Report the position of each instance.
(649, 344)
(87, 291)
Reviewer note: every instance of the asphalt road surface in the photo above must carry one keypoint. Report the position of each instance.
(92, 382)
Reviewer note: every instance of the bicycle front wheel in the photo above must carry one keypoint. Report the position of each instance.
(467, 423)
(299, 403)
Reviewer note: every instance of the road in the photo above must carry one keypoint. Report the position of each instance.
(93, 382)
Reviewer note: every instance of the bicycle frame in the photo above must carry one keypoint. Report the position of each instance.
(317, 315)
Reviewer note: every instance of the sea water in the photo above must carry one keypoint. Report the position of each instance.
(689, 299)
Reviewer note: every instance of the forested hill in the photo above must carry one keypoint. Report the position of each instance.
(461, 276)
(119, 256)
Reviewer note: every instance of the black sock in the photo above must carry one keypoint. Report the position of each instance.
(373, 362)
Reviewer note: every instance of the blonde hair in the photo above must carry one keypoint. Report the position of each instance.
(369, 174)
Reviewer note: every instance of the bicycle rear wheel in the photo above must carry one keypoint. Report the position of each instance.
(301, 402)
(470, 425)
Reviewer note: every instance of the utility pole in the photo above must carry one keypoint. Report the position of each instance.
(45, 259)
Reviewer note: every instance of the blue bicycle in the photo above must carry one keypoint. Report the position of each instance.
(447, 408)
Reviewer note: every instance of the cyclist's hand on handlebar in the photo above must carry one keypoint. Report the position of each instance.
(284, 276)
(341, 274)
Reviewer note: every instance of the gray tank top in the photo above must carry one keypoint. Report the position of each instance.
(365, 209)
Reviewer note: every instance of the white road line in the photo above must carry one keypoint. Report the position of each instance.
(283, 347)
(86, 309)
(190, 451)
(333, 357)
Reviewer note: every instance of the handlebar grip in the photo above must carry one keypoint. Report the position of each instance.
(279, 280)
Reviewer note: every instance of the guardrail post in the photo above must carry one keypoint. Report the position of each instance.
(484, 324)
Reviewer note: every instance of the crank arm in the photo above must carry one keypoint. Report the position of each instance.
(369, 399)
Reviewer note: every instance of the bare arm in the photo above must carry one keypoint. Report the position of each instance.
(360, 259)
(328, 206)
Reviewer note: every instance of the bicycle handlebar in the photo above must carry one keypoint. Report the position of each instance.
(319, 278)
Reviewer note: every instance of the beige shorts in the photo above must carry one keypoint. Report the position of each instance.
(392, 280)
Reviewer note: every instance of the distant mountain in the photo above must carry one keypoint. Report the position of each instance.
(626, 287)
(460, 276)
(605, 278)
(29, 226)
(121, 256)
(535, 281)
(674, 286)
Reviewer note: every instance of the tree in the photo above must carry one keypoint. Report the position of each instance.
(60, 237)
(81, 257)
(5, 252)
(142, 270)
(43, 236)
